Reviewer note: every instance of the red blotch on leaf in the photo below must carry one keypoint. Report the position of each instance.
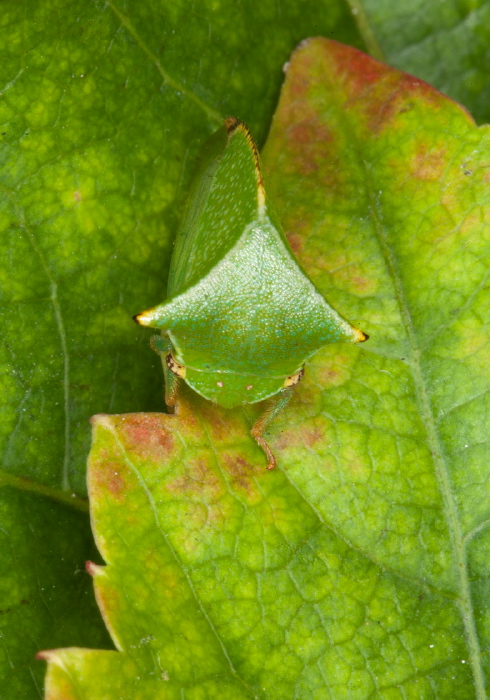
(147, 434)
(355, 66)
(309, 147)
(362, 83)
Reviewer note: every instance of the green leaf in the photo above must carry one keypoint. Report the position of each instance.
(359, 568)
(444, 43)
(44, 592)
(103, 108)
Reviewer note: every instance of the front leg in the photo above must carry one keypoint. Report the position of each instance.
(276, 404)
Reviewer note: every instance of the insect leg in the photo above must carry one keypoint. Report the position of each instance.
(162, 345)
(276, 404)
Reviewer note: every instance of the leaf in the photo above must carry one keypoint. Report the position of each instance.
(103, 108)
(44, 594)
(444, 43)
(359, 568)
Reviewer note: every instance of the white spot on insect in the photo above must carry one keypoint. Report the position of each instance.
(250, 386)
(220, 384)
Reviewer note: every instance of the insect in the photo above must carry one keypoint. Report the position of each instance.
(241, 317)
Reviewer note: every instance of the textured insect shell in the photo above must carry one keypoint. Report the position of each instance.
(222, 202)
(230, 389)
(239, 304)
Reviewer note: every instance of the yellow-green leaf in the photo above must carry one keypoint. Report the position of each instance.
(359, 568)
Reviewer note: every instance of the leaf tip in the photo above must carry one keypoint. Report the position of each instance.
(98, 419)
(94, 569)
(51, 656)
(44, 655)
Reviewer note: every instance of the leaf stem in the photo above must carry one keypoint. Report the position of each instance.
(366, 30)
(22, 484)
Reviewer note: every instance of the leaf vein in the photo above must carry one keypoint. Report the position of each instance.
(438, 452)
(178, 87)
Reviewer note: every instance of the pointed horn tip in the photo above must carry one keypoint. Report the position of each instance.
(232, 123)
(360, 336)
(140, 319)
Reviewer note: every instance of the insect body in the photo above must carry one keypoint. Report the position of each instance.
(241, 316)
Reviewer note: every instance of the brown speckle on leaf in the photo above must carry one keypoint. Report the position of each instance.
(107, 476)
(243, 474)
(199, 478)
(311, 437)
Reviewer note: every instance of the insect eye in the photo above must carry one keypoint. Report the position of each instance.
(294, 378)
(174, 366)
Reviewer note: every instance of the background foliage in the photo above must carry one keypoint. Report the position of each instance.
(103, 107)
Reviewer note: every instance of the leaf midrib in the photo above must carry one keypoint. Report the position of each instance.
(107, 424)
(457, 541)
(435, 445)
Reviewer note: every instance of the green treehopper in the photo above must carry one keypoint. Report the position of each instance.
(241, 316)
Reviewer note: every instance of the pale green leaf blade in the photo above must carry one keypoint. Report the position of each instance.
(392, 440)
(221, 578)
